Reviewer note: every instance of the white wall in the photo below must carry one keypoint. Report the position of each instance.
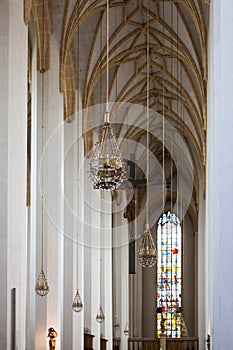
(13, 126)
(220, 174)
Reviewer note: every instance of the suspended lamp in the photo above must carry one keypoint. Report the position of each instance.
(126, 329)
(100, 315)
(41, 287)
(107, 168)
(116, 324)
(146, 253)
(77, 304)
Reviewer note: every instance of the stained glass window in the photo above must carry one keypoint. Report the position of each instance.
(169, 275)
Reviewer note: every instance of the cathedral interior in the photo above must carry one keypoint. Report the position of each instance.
(111, 146)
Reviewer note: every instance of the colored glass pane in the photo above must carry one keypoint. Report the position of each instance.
(169, 275)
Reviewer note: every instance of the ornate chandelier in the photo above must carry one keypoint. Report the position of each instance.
(77, 304)
(146, 251)
(100, 315)
(107, 167)
(126, 329)
(41, 287)
(116, 324)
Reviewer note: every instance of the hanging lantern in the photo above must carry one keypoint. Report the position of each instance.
(147, 252)
(126, 329)
(41, 287)
(116, 324)
(107, 167)
(100, 315)
(77, 304)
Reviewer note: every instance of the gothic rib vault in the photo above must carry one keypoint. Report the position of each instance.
(178, 63)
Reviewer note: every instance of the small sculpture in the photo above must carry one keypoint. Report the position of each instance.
(208, 342)
(52, 335)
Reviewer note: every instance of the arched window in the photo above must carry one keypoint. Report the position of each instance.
(169, 276)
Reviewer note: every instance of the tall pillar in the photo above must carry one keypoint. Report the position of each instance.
(92, 275)
(54, 200)
(78, 246)
(220, 174)
(201, 273)
(45, 312)
(13, 126)
(120, 268)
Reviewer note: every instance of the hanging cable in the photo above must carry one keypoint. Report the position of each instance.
(147, 251)
(107, 63)
(41, 287)
(107, 167)
(147, 118)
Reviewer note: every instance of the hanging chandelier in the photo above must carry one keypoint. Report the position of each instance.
(116, 324)
(107, 168)
(100, 315)
(146, 252)
(126, 329)
(77, 304)
(41, 287)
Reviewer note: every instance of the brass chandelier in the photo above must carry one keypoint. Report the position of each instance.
(41, 287)
(77, 304)
(147, 252)
(100, 315)
(107, 168)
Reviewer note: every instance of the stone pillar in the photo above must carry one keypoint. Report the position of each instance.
(54, 181)
(201, 275)
(13, 126)
(92, 283)
(78, 246)
(46, 312)
(220, 174)
(120, 267)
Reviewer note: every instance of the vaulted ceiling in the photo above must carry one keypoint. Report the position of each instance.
(177, 32)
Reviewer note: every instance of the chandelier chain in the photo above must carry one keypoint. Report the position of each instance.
(147, 116)
(107, 62)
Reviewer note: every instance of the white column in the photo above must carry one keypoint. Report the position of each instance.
(220, 174)
(120, 267)
(201, 275)
(69, 235)
(78, 259)
(54, 158)
(92, 283)
(13, 126)
(45, 312)
(106, 259)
